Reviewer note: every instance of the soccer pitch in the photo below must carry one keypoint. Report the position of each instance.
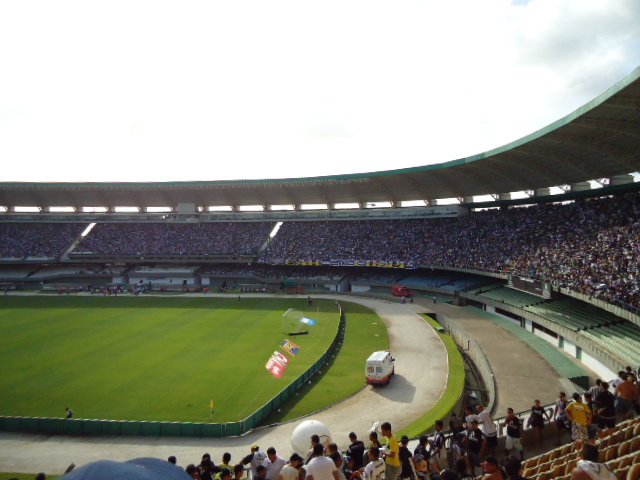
(156, 358)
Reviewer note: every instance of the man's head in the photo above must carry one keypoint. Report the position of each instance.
(576, 396)
(480, 408)
(295, 460)
(315, 439)
(332, 448)
(206, 464)
(386, 429)
(225, 474)
(562, 396)
(226, 458)
(353, 437)
(318, 450)
(272, 454)
(238, 471)
(172, 459)
(439, 425)
(513, 467)
(374, 453)
(423, 440)
(474, 424)
(587, 396)
(469, 409)
(337, 459)
(490, 464)
(261, 471)
(255, 448)
(604, 386)
(509, 411)
(537, 403)
(590, 452)
(404, 440)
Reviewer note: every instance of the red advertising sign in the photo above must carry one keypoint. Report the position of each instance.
(276, 368)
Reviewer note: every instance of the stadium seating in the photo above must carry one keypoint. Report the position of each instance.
(619, 450)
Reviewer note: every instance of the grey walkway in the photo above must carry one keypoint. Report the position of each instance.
(521, 373)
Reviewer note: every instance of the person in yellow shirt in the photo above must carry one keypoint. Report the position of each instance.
(580, 415)
(393, 466)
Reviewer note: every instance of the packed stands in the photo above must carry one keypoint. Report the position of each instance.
(589, 246)
(42, 241)
(214, 239)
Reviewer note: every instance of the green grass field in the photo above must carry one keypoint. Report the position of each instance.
(165, 359)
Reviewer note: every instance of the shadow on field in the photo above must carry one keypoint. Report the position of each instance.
(398, 390)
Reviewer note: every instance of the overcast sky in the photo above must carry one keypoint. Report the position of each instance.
(168, 91)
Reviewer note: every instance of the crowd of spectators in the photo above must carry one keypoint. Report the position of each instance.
(591, 422)
(589, 246)
(37, 240)
(213, 239)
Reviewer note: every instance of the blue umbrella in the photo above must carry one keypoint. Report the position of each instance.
(137, 469)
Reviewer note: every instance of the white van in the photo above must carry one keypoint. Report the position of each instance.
(380, 367)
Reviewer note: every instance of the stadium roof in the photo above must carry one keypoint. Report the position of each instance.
(599, 140)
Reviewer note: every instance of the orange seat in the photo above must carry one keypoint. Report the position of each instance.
(624, 448)
(621, 473)
(634, 472)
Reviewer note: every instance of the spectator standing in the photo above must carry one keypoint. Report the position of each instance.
(375, 469)
(356, 451)
(536, 419)
(514, 427)
(606, 407)
(579, 414)
(489, 429)
(321, 467)
(406, 458)
(274, 464)
(392, 454)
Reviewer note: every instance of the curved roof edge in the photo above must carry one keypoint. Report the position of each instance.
(617, 87)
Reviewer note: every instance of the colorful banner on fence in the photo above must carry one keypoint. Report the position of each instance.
(290, 347)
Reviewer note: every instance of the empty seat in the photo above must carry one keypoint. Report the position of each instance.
(634, 472)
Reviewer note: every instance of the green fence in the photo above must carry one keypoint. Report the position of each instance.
(63, 426)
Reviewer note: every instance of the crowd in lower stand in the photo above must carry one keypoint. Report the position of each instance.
(597, 421)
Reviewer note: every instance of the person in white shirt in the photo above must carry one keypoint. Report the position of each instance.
(274, 464)
(489, 429)
(375, 469)
(321, 467)
(292, 470)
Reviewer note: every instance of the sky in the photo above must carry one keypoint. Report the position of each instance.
(160, 91)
